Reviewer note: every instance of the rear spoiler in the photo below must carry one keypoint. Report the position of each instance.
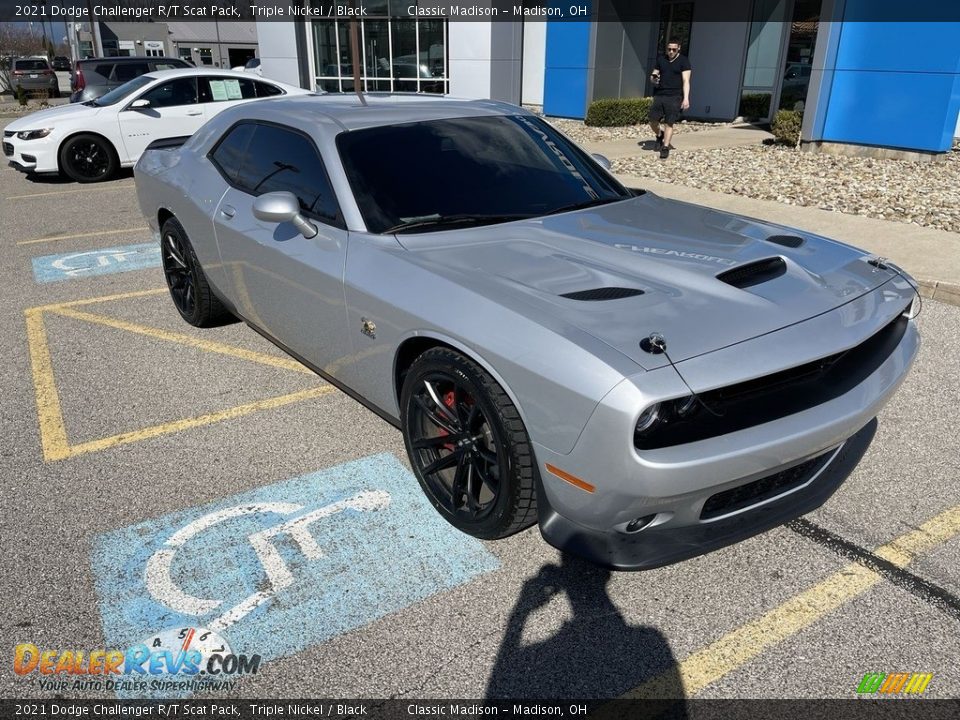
(167, 143)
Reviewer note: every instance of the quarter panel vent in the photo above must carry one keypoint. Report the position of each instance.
(754, 273)
(605, 293)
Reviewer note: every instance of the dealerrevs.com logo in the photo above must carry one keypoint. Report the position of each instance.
(894, 683)
(194, 654)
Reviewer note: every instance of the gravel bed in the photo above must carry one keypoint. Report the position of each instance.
(923, 193)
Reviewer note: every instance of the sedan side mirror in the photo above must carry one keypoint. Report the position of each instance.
(602, 159)
(278, 207)
(140, 104)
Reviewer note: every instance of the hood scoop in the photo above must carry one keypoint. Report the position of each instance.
(754, 273)
(790, 241)
(604, 293)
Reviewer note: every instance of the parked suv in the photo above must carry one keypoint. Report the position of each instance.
(34, 74)
(94, 77)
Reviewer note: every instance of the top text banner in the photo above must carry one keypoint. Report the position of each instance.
(468, 10)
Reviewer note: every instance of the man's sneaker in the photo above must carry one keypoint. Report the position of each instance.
(659, 144)
(664, 152)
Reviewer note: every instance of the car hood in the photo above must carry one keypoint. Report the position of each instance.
(42, 118)
(673, 252)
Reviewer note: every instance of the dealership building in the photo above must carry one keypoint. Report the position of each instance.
(863, 75)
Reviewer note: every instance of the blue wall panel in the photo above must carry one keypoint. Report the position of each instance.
(567, 64)
(895, 84)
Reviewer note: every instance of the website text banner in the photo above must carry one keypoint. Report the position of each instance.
(468, 10)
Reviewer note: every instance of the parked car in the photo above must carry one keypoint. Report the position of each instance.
(89, 142)
(94, 77)
(649, 379)
(252, 65)
(34, 74)
(62, 63)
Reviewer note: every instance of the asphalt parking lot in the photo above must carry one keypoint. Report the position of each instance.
(145, 461)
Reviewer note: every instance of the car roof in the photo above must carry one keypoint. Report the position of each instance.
(349, 113)
(192, 71)
(130, 58)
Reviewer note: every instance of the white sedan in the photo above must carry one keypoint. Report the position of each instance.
(90, 141)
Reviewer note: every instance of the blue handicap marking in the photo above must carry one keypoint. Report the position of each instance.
(283, 567)
(103, 261)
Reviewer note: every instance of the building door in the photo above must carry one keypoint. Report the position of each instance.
(799, 55)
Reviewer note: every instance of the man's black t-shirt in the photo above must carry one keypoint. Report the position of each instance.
(671, 77)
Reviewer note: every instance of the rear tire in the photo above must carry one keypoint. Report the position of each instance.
(191, 293)
(468, 446)
(88, 158)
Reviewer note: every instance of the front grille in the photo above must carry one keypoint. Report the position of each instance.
(8, 149)
(744, 496)
(604, 293)
(775, 396)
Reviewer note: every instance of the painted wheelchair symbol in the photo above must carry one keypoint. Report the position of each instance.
(159, 578)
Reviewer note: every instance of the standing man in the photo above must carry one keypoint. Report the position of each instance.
(671, 95)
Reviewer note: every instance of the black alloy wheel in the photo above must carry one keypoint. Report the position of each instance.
(189, 289)
(88, 158)
(467, 445)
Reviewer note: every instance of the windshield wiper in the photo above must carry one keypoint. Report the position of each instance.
(583, 205)
(437, 221)
(91, 103)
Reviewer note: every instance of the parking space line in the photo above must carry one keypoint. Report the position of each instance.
(100, 299)
(276, 361)
(742, 645)
(53, 434)
(81, 235)
(199, 421)
(69, 192)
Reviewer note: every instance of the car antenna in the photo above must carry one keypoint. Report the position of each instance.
(656, 344)
(355, 56)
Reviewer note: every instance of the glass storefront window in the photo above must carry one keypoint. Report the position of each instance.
(396, 55)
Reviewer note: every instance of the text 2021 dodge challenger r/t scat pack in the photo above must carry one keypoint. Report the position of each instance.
(647, 379)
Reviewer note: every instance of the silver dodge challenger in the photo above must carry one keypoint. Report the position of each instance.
(647, 379)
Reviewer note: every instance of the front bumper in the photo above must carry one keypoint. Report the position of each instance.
(31, 156)
(661, 545)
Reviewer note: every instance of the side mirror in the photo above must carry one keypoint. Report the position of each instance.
(602, 159)
(279, 207)
(139, 104)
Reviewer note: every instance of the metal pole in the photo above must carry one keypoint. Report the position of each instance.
(355, 54)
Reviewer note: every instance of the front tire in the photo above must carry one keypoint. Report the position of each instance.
(88, 158)
(468, 446)
(191, 293)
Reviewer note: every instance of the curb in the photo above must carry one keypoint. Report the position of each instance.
(940, 291)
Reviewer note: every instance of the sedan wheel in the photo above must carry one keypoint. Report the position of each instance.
(468, 446)
(189, 289)
(88, 158)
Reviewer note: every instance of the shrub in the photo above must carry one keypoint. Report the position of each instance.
(755, 105)
(786, 126)
(21, 95)
(616, 112)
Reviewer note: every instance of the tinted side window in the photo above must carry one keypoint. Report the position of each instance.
(182, 91)
(266, 89)
(128, 71)
(281, 159)
(222, 89)
(229, 153)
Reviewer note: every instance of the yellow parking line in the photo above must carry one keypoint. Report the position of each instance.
(188, 423)
(53, 435)
(81, 235)
(101, 299)
(738, 647)
(283, 363)
(69, 192)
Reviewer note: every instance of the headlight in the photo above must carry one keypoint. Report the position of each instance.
(648, 418)
(34, 134)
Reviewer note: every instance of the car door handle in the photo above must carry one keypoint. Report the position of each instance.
(228, 211)
(195, 112)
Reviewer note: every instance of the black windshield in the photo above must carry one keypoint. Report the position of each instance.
(500, 167)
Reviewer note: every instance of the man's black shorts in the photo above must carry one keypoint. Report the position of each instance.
(666, 108)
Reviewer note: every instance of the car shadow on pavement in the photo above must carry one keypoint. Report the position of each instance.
(122, 174)
(594, 654)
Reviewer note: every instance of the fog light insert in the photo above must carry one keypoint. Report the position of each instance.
(639, 524)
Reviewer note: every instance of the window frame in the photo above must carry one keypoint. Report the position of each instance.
(338, 222)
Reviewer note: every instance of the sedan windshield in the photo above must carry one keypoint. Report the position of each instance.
(464, 172)
(118, 94)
